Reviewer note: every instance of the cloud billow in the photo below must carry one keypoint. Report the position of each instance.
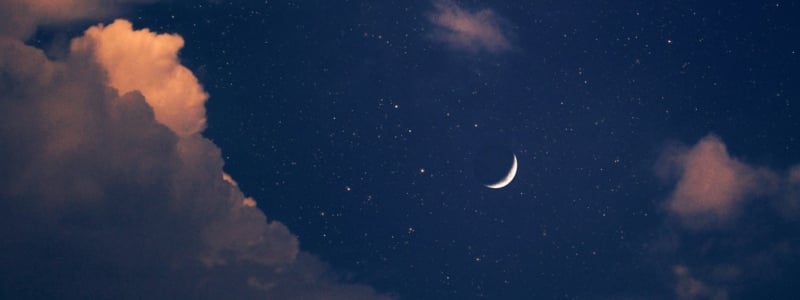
(109, 191)
(711, 185)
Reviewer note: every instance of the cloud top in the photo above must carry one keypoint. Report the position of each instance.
(712, 186)
(140, 60)
(468, 31)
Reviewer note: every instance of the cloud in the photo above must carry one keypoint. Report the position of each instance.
(109, 191)
(789, 206)
(730, 264)
(19, 18)
(688, 287)
(711, 185)
(468, 31)
(148, 62)
(736, 222)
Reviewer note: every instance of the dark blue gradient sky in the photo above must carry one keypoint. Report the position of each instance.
(358, 124)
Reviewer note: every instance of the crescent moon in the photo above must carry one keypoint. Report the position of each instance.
(505, 181)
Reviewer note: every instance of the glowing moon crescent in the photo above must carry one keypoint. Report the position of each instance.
(505, 181)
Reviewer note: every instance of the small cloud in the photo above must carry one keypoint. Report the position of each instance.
(468, 31)
(688, 287)
(711, 185)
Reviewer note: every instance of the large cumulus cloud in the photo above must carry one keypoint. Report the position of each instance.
(108, 190)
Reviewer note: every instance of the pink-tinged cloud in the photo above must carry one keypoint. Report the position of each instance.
(140, 60)
(468, 31)
(109, 185)
(711, 184)
(715, 190)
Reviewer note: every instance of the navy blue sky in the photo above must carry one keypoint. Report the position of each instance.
(303, 106)
(357, 126)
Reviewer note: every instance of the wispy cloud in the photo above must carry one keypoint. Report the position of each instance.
(789, 205)
(687, 287)
(468, 31)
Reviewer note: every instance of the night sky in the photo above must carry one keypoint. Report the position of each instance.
(342, 149)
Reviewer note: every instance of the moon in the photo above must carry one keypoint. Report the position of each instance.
(506, 180)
